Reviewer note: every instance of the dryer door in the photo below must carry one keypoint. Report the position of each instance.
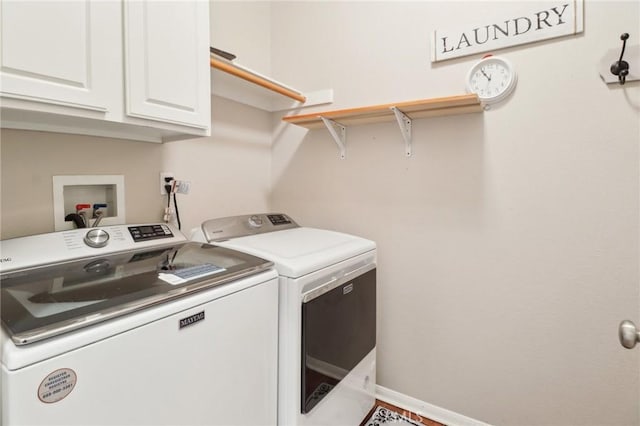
(338, 331)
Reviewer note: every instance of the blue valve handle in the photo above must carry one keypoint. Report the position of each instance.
(97, 214)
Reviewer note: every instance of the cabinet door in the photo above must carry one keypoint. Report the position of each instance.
(167, 73)
(56, 52)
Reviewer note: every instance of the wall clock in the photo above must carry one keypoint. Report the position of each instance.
(492, 78)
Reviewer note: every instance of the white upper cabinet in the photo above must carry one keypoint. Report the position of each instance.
(126, 69)
(54, 52)
(167, 61)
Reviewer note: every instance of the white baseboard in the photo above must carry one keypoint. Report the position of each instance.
(425, 409)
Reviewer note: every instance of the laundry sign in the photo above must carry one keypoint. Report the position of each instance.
(508, 24)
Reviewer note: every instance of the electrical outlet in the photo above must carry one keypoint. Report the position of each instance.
(183, 186)
(163, 182)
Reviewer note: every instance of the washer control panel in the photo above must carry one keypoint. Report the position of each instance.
(149, 232)
(63, 246)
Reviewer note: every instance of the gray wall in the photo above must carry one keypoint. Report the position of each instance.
(229, 171)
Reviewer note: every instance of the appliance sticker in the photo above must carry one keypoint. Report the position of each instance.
(57, 385)
(184, 275)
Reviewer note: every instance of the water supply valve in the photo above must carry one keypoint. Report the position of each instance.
(97, 213)
(81, 210)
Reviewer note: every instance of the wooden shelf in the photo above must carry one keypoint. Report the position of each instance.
(336, 121)
(451, 105)
(256, 78)
(236, 82)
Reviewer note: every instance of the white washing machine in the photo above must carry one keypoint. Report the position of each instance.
(327, 317)
(136, 325)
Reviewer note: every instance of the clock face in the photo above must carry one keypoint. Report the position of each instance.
(492, 79)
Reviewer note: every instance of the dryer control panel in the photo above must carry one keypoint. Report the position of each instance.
(240, 226)
(279, 219)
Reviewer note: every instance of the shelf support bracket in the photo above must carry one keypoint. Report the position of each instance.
(339, 134)
(405, 129)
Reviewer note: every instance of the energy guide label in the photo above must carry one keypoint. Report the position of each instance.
(57, 385)
(181, 276)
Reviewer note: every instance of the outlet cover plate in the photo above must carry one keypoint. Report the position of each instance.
(162, 181)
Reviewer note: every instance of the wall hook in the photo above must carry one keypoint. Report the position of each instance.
(620, 67)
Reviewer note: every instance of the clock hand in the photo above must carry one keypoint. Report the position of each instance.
(485, 74)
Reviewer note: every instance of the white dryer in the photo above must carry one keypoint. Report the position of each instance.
(327, 314)
(136, 325)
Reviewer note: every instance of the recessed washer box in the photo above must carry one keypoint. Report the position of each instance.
(68, 191)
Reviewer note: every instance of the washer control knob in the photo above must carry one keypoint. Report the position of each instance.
(96, 238)
(255, 222)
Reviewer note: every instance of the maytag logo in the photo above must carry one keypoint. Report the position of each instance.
(184, 322)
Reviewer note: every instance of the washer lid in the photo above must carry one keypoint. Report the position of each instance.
(46, 301)
(300, 251)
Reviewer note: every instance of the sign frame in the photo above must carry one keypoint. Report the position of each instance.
(526, 22)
